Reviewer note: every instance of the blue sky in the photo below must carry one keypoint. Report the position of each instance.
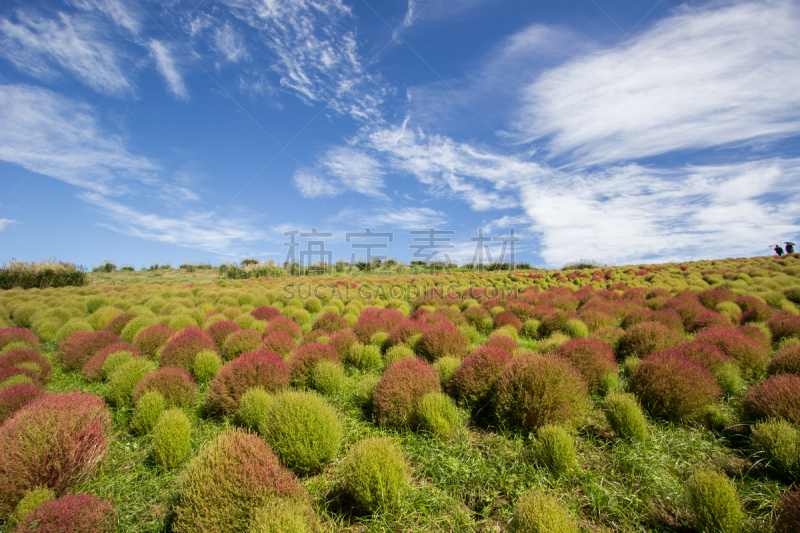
(180, 131)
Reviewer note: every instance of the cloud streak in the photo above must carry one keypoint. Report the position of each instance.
(166, 67)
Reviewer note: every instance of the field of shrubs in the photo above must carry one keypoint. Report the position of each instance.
(644, 398)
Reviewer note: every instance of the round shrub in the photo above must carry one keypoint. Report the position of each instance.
(758, 332)
(438, 414)
(784, 326)
(507, 318)
(182, 348)
(134, 326)
(285, 325)
(246, 340)
(171, 438)
(55, 441)
(70, 327)
(442, 340)
(396, 395)
(114, 361)
(504, 343)
(227, 481)
(374, 474)
(147, 412)
(342, 340)
(117, 324)
(33, 499)
(283, 516)
(751, 357)
(555, 449)
(364, 389)
(445, 368)
(75, 351)
(279, 343)
(789, 512)
(708, 319)
(472, 381)
(576, 329)
(253, 407)
(174, 383)
(303, 429)
(93, 369)
(206, 365)
(330, 322)
(27, 358)
(402, 332)
(152, 339)
(780, 442)
(305, 358)
(17, 379)
(593, 359)
(9, 335)
(706, 354)
(775, 397)
(786, 361)
(398, 352)
(646, 338)
(123, 380)
(625, 416)
(221, 330)
(15, 397)
(671, 386)
(327, 378)
(714, 502)
(610, 335)
(540, 512)
(78, 513)
(254, 369)
(536, 389)
(265, 313)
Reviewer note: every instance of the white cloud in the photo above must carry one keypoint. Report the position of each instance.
(703, 77)
(392, 217)
(356, 170)
(5, 222)
(116, 10)
(78, 45)
(166, 67)
(311, 185)
(229, 43)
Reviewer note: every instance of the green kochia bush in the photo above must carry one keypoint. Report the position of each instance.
(206, 364)
(303, 429)
(327, 378)
(171, 438)
(625, 416)
(114, 361)
(438, 414)
(646, 338)
(147, 412)
(253, 408)
(714, 502)
(239, 342)
(305, 358)
(33, 499)
(122, 382)
(374, 474)
(540, 512)
(780, 442)
(555, 449)
(283, 516)
(227, 481)
(174, 383)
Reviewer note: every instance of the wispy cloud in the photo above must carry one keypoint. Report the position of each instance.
(356, 170)
(40, 46)
(312, 185)
(166, 67)
(229, 43)
(392, 217)
(114, 9)
(5, 223)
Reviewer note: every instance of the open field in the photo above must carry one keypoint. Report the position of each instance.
(617, 392)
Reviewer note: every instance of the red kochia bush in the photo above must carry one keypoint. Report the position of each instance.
(747, 302)
(775, 397)
(254, 369)
(10, 372)
(784, 326)
(646, 338)
(687, 309)
(78, 513)
(636, 316)
(757, 335)
(182, 348)
(342, 340)
(246, 340)
(265, 313)
(707, 355)
(9, 335)
(475, 315)
(331, 322)
(55, 441)
(75, 351)
(366, 326)
(554, 322)
(150, 339)
(279, 343)
(786, 361)
(751, 357)
(118, 323)
(712, 297)
(507, 318)
(317, 335)
(757, 313)
(391, 317)
(472, 381)
(404, 331)
(174, 383)
(16, 397)
(671, 386)
(306, 358)
(13, 358)
(789, 512)
(93, 369)
(536, 389)
(442, 340)
(285, 325)
(221, 330)
(669, 318)
(592, 358)
(708, 319)
(403, 384)
(503, 342)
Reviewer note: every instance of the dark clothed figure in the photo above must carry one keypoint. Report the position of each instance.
(789, 248)
(779, 251)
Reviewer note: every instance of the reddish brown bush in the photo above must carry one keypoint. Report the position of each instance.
(20, 356)
(472, 381)
(554, 322)
(9, 335)
(712, 297)
(784, 326)
(403, 384)
(16, 397)
(636, 316)
(610, 335)
(318, 335)
(757, 335)
(265, 313)
(75, 351)
(757, 313)
(646, 338)
(342, 340)
(789, 512)
(221, 330)
(633, 294)
(55, 441)
(404, 331)
(6, 373)
(243, 341)
(391, 317)
(686, 309)
(592, 358)
(367, 326)
(507, 318)
(669, 318)
(254, 369)
(595, 319)
(78, 513)
(707, 355)
(475, 315)
(521, 310)
(671, 386)
(175, 384)
(94, 366)
(182, 347)
(279, 343)
(536, 389)
(151, 339)
(330, 322)
(305, 359)
(775, 397)
(118, 323)
(708, 319)
(747, 302)
(786, 361)
(503, 342)
(284, 325)
(751, 357)
(442, 340)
